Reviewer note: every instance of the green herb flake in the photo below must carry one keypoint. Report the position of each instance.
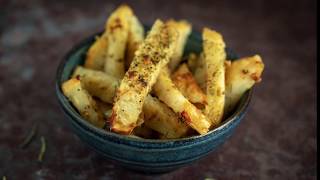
(29, 137)
(42, 150)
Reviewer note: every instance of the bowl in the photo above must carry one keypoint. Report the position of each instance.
(145, 155)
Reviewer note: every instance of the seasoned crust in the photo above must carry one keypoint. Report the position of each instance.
(83, 102)
(188, 86)
(184, 29)
(214, 56)
(241, 75)
(117, 29)
(155, 50)
(168, 93)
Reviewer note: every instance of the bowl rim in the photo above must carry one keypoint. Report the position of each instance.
(75, 116)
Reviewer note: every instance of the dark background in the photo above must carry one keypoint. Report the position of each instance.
(276, 140)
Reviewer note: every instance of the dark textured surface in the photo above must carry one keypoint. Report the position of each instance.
(276, 140)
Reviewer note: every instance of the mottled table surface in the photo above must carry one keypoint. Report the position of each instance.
(276, 140)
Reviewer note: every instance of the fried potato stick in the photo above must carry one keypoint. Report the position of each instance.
(153, 54)
(241, 75)
(214, 56)
(82, 101)
(188, 86)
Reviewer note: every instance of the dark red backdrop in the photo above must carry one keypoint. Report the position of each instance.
(276, 140)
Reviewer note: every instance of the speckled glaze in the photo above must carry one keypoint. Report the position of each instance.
(150, 156)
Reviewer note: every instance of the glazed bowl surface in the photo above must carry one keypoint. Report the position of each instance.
(146, 155)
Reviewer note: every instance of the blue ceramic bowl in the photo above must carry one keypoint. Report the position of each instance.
(151, 156)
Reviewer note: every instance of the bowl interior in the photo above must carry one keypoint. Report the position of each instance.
(77, 56)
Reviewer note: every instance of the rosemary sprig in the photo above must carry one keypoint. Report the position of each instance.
(42, 149)
(29, 137)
